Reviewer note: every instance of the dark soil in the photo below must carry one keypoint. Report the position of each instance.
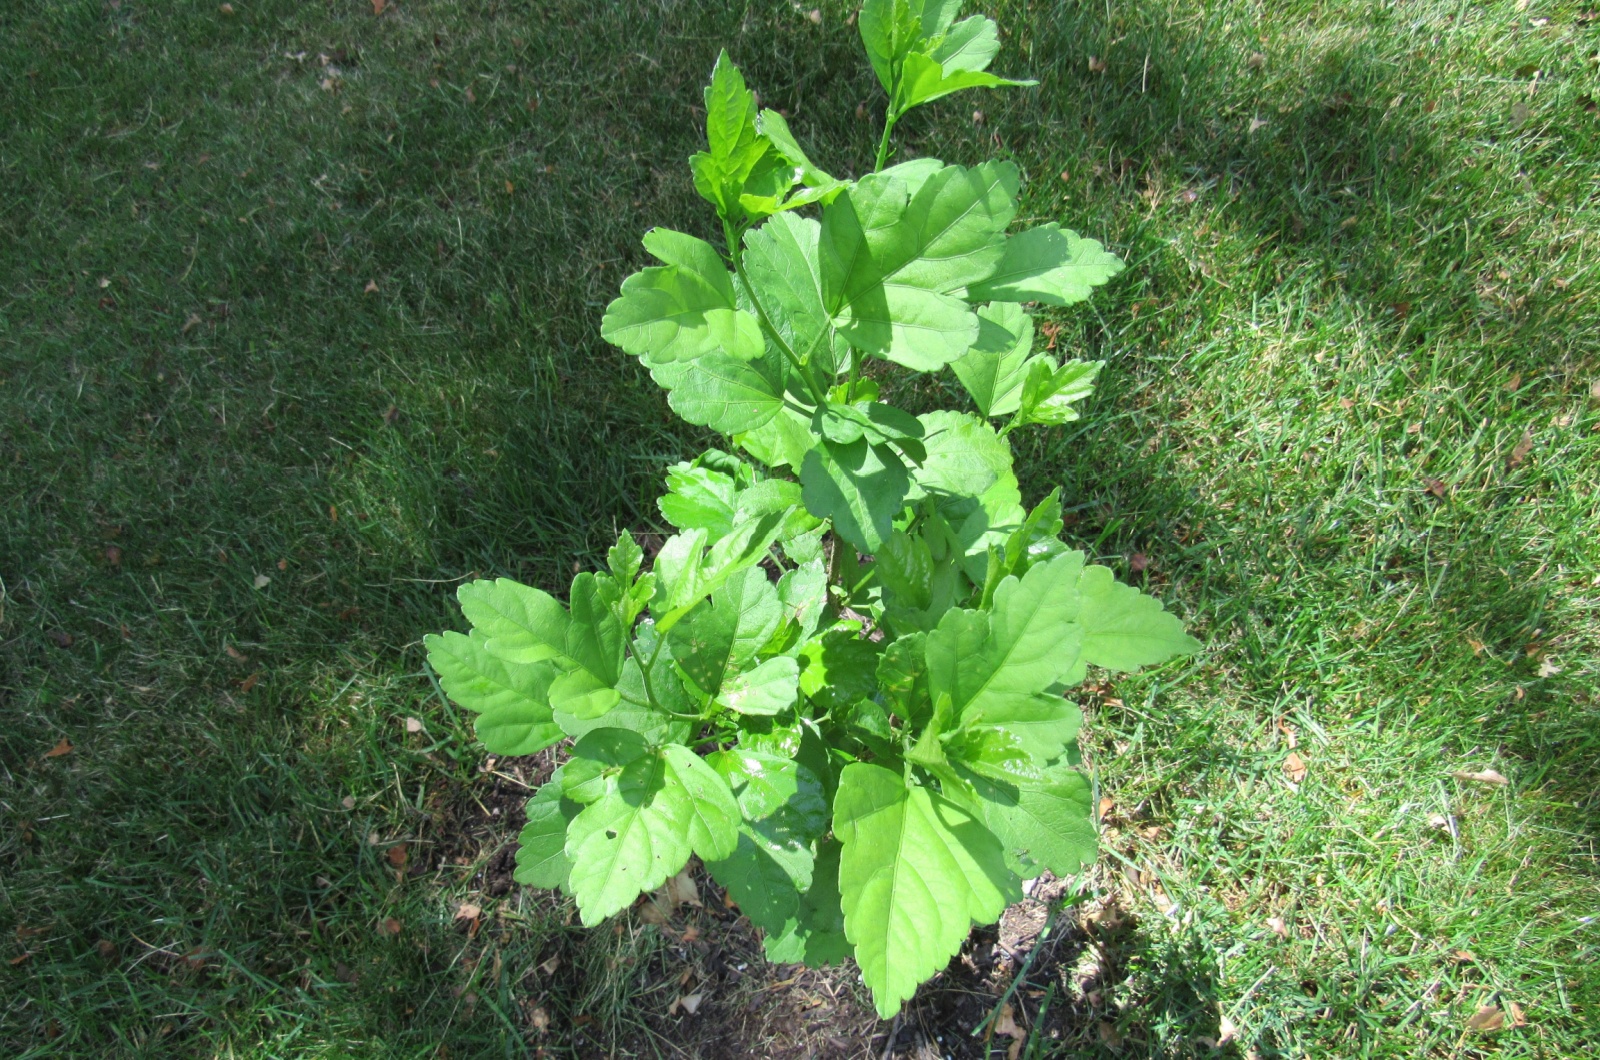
(710, 993)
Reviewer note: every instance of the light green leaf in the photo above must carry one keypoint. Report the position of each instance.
(649, 817)
(682, 310)
(970, 44)
(1123, 629)
(1047, 264)
(522, 624)
(783, 440)
(692, 257)
(1048, 822)
(899, 247)
(924, 79)
(722, 392)
(767, 689)
(965, 457)
(698, 497)
(541, 850)
(994, 369)
(775, 128)
(985, 660)
(889, 30)
(915, 873)
(781, 259)
(719, 638)
(681, 577)
(861, 487)
(730, 109)
(512, 700)
(1048, 393)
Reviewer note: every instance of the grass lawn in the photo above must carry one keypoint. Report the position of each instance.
(299, 312)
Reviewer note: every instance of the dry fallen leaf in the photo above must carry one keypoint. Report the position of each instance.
(549, 967)
(1279, 926)
(1437, 487)
(1110, 1036)
(413, 725)
(1107, 804)
(1518, 1019)
(1522, 449)
(1226, 1031)
(1006, 1023)
(652, 913)
(379, 6)
(1487, 1018)
(1548, 668)
(690, 1003)
(348, 802)
(371, 287)
(1294, 767)
(680, 890)
(540, 1019)
(390, 926)
(235, 654)
(63, 746)
(1464, 956)
(262, 581)
(1138, 562)
(468, 911)
(1486, 776)
(1097, 65)
(398, 855)
(250, 682)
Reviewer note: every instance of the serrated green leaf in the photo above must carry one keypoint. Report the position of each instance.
(624, 559)
(916, 871)
(698, 497)
(512, 700)
(783, 440)
(924, 79)
(1123, 629)
(1047, 264)
(541, 847)
(1048, 392)
(650, 816)
(722, 392)
(803, 592)
(970, 44)
(683, 310)
(985, 660)
(861, 487)
(898, 247)
(720, 638)
(775, 128)
(766, 689)
(781, 259)
(994, 369)
(965, 457)
(730, 109)
(1048, 822)
(524, 625)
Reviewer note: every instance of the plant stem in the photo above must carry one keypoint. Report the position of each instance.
(889, 118)
(800, 366)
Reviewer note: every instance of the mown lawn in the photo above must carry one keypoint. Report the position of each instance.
(299, 317)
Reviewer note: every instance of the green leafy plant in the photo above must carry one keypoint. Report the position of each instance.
(841, 683)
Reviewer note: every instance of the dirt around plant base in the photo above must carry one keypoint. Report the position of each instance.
(686, 976)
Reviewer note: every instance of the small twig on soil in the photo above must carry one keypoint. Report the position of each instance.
(888, 1046)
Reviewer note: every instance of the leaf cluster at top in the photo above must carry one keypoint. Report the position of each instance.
(840, 683)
